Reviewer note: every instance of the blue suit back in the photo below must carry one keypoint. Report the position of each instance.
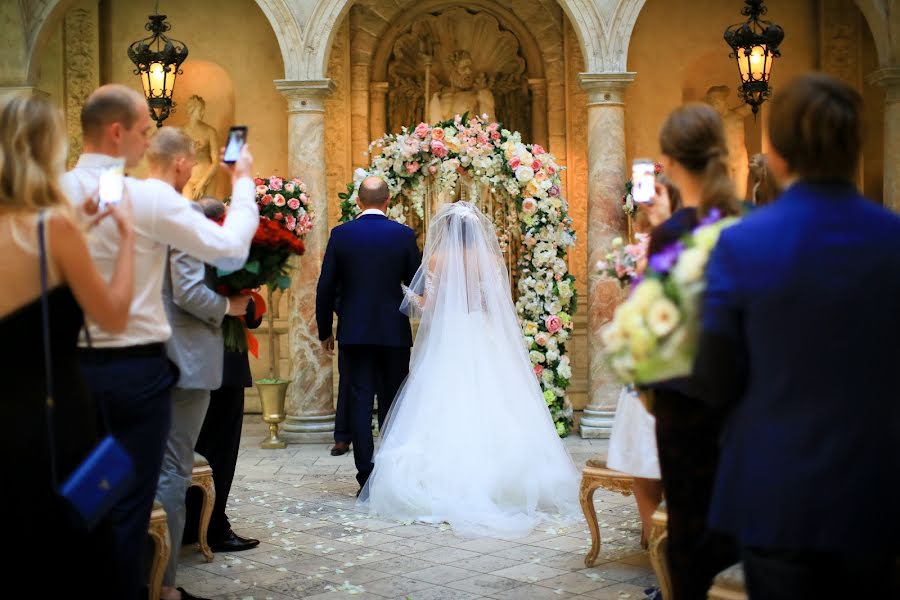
(809, 288)
(365, 263)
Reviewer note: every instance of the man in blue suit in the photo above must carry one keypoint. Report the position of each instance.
(366, 262)
(801, 341)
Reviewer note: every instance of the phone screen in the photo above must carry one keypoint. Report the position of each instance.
(237, 137)
(643, 180)
(112, 183)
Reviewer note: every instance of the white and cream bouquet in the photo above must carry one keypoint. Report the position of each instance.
(653, 334)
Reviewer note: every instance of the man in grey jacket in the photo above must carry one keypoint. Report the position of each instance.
(195, 313)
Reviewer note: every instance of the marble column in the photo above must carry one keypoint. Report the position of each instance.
(310, 405)
(377, 109)
(539, 128)
(606, 183)
(889, 79)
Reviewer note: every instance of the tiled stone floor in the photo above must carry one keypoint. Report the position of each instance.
(300, 503)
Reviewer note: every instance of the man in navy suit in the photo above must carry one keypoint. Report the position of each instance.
(801, 341)
(366, 262)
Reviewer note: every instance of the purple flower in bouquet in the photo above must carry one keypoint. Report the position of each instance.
(714, 216)
(663, 262)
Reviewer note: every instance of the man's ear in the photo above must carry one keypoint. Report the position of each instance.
(115, 131)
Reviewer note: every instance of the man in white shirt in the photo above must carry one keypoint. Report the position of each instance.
(129, 373)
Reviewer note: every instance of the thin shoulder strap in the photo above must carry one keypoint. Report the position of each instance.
(48, 365)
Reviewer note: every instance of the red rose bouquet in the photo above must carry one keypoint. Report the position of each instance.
(285, 217)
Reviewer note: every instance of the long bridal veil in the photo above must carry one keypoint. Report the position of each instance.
(469, 439)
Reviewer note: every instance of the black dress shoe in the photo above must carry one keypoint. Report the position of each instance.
(188, 596)
(232, 542)
(340, 448)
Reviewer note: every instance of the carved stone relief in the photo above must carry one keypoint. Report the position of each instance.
(82, 50)
(840, 43)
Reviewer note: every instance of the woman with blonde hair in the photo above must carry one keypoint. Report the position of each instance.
(46, 267)
(762, 187)
(695, 157)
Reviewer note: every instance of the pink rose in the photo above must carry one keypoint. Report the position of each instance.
(276, 183)
(259, 181)
(437, 133)
(553, 323)
(261, 189)
(537, 150)
(553, 192)
(291, 222)
(421, 130)
(529, 206)
(304, 198)
(495, 135)
(538, 370)
(514, 163)
(292, 226)
(279, 216)
(289, 188)
(293, 204)
(279, 200)
(432, 169)
(266, 200)
(536, 165)
(439, 149)
(412, 167)
(551, 169)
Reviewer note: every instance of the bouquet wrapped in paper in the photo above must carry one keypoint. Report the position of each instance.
(653, 334)
(625, 262)
(285, 217)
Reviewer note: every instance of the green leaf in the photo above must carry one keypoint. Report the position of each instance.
(223, 272)
(284, 282)
(252, 267)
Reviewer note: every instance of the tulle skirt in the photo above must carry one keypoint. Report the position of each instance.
(470, 442)
(632, 444)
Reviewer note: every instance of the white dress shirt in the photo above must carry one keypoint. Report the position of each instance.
(162, 218)
(372, 211)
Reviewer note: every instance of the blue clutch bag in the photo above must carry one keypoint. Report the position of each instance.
(101, 480)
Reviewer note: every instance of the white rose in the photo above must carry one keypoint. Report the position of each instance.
(612, 337)
(530, 328)
(548, 376)
(552, 356)
(565, 290)
(554, 307)
(536, 357)
(662, 317)
(646, 292)
(524, 174)
(564, 371)
(542, 338)
(690, 266)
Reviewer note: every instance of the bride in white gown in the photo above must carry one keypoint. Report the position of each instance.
(469, 440)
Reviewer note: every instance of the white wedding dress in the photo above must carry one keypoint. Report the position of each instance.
(469, 440)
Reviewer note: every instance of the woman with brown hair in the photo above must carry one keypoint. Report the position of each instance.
(39, 238)
(695, 159)
(762, 187)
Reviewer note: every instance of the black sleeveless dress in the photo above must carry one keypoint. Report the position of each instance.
(36, 525)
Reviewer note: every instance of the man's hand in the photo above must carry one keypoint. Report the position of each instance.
(328, 346)
(237, 305)
(243, 167)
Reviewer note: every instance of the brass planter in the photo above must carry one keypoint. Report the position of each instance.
(271, 396)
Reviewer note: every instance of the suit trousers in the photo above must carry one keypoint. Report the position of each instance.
(341, 412)
(188, 410)
(371, 371)
(135, 393)
(220, 443)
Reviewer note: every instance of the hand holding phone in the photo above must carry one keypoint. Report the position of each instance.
(112, 184)
(237, 137)
(643, 180)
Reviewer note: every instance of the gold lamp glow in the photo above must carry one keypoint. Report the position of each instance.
(158, 63)
(754, 44)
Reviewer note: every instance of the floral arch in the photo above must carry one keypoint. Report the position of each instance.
(518, 186)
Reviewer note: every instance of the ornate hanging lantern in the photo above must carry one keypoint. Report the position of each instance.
(754, 44)
(158, 60)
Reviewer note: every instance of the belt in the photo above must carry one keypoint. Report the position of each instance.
(144, 351)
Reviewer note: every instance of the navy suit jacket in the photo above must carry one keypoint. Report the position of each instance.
(801, 340)
(365, 263)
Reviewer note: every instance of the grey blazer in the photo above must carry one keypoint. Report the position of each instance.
(195, 313)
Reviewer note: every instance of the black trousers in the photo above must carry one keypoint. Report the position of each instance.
(371, 371)
(687, 436)
(342, 412)
(136, 393)
(783, 575)
(219, 442)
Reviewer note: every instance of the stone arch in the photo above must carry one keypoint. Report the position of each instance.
(883, 19)
(40, 23)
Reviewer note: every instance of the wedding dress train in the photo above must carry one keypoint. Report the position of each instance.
(469, 440)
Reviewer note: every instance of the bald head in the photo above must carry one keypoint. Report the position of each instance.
(373, 192)
(212, 207)
(108, 104)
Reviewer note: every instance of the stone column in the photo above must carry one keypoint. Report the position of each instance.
(309, 406)
(377, 109)
(889, 78)
(606, 183)
(539, 129)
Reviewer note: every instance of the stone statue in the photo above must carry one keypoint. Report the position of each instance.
(466, 94)
(717, 97)
(206, 147)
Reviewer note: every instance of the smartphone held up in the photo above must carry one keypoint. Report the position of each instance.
(237, 137)
(112, 184)
(643, 180)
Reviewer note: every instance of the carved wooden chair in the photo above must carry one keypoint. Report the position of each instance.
(159, 533)
(729, 584)
(659, 550)
(596, 475)
(202, 478)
